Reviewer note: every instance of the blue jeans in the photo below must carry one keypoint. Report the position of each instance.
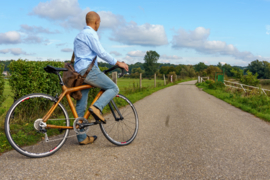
(97, 79)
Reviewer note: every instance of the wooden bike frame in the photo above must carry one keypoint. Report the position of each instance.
(66, 92)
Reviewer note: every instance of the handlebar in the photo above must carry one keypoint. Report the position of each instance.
(113, 68)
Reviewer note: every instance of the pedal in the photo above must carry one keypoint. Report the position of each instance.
(96, 117)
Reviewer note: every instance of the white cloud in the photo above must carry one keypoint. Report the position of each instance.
(145, 35)
(115, 53)
(170, 57)
(136, 53)
(14, 51)
(60, 44)
(32, 39)
(67, 50)
(174, 59)
(121, 46)
(268, 29)
(57, 9)
(110, 20)
(36, 30)
(68, 14)
(77, 21)
(198, 40)
(11, 37)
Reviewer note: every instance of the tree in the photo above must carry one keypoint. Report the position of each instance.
(237, 73)
(257, 67)
(200, 67)
(250, 79)
(150, 63)
(187, 71)
(171, 69)
(211, 70)
(178, 69)
(164, 70)
(137, 70)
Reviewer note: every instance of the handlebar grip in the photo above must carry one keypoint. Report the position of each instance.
(113, 68)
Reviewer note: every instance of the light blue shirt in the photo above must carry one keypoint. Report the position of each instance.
(87, 47)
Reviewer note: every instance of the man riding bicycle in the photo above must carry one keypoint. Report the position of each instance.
(86, 48)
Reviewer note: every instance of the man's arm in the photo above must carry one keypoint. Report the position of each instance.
(99, 50)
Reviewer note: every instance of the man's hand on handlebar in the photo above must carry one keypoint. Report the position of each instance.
(122, 65)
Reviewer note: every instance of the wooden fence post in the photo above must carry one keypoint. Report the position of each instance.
(140, 80)
(198, 79)
(114, 77)
(155, 79)
(164, 79)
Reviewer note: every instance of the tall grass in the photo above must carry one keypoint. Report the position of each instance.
(253, 102)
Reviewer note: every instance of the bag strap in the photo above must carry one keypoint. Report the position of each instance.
(72, 58)
(90, 67)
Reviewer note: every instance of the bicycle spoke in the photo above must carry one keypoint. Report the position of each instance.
(126, 129)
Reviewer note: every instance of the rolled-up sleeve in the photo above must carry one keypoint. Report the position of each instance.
(95, 46)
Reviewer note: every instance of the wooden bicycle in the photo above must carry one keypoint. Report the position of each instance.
(37, 125)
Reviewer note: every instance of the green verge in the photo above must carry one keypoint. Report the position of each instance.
(257, 104)
(133, 93)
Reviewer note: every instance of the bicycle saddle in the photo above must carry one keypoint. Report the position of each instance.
(51, 69)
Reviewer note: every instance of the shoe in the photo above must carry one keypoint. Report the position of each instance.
(88, 140)
(97, 114)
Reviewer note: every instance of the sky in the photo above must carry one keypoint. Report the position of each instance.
(235, 32)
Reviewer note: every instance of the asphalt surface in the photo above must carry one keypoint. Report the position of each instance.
(184, 133)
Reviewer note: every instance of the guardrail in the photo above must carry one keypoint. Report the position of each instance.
(241, 86)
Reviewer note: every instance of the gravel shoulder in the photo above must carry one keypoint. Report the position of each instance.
(184, 133)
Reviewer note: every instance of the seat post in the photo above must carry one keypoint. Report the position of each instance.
(60, 78)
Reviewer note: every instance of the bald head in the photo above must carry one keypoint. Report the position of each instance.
(91, 18)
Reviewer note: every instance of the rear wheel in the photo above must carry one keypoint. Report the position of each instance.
(119, 131)
(22, 126)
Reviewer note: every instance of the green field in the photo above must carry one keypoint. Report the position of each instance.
(125, 83)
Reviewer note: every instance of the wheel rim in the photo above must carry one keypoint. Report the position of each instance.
(21, 131)
(121, 132)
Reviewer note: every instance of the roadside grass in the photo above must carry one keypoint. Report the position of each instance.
(125, 86)
(255, 103)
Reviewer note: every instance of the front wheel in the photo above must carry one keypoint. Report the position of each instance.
(23, 121)
(121, 131)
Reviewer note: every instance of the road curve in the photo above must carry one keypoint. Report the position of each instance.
(184, 133)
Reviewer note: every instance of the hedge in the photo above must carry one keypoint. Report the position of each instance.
(2, 85)
(30, 77)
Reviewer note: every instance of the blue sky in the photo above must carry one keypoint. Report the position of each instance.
(182, 32)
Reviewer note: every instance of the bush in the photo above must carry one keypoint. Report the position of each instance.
(209, 81)
(215, 85)
(174, 78)
(2, 85)
(29, 77)
(250, 79)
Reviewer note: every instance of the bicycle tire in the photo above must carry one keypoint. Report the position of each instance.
(129, 125)
(20, 121)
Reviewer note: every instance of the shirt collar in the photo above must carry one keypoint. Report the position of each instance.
(88, 27)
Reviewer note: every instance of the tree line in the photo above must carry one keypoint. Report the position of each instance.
(150, 66)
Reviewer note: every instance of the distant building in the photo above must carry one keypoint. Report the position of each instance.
(5, 73)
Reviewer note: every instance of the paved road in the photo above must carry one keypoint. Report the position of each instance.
(184, 134)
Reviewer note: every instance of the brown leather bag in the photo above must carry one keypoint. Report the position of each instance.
(71, 78)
